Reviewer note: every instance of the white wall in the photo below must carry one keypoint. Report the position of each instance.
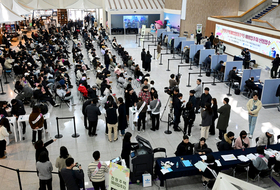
(245, 5)
(273, 17)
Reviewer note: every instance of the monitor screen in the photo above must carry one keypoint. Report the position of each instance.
(143, 143)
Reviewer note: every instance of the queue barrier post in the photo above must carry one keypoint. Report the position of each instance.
(58, 136)
(2, 93)
(168, 132)
(75, 135)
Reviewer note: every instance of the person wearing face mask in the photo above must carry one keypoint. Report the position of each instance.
(242, 141)
(226, 143)
(267, 138)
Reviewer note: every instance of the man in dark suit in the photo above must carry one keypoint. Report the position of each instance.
(177, 105)
(275, 66)
(207, 62)
(208, 44)
(92, 112)
(211, 38)
(232, 75)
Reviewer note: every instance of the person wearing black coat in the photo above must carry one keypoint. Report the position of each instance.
(208, 44)
(275, 66)
(189, 117)
(211, 171)
(226, 143)
(122, 125)
(41, 147)
(107, 59)
(192, 98)
(92, 92)
(211, 38)
(205, 98)
(85, 104)
(185, 147)
(215, 116)
(177, 105)
(127, 147)
(148, 61)
(201, 147)
(143, 58)
(130, 100)
(92, 113)
(17, 110)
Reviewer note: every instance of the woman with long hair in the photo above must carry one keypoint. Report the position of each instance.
(127, 147)
(242, 141)
(206, 115)
(44, 168)
(215, 116)
(60, 164)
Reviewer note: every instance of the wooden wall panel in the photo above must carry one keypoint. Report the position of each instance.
(173, 4)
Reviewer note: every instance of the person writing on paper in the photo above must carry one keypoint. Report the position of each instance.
(242, 141)
(226, 143)
(185, 147)
(211, 171)
(258, 164)
(201, 147)
(96, 172)
(267, 138)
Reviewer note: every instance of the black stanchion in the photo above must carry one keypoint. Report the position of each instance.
(6, 78)
(58, 136)
(160, 63)
(75, 135)
(168, 132)
(190, 64)
(19, 181)
(200, 71)
(168, 65)
(181, 66)
(2, 93)
(189, 85)
(229, 94)
(154, 53)
(214, 79)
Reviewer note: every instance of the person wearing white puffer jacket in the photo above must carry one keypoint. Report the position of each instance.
(3, 134)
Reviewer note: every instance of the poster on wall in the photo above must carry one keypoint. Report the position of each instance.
(262, 44)
(118, 177)
(199, 28)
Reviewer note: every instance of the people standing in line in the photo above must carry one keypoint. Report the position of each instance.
(275, 66)
(148, 60)
(142, 109)
(192, 98)
(96, 172)
(198, 93)
(36, 121)
(215, 116)
(85, 104)
(189, 118)
(3, 134)
(143, 58)
(155, 106)
(44, 168)
(18, 110)
(254, 105)
(242, 141)
(216, 42)
(206, 116)
(127, 147)
(60, 164)
(173, 82)
(211, 38)
(159, 48)
(92, 113)
(112, 121)
(205, 98)
(122, 122)
(223, 119)
(177, 105)
(72, 176)
(266, 138)
(130, 100)
(247, 59)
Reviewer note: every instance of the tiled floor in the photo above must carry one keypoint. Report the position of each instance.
(22, 154)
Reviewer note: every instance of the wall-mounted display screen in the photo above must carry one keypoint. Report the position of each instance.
(262, 44)
(132, 21)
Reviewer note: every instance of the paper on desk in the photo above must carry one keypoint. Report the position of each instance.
(229, 157)
(204, 157)
(187, 163)
(243, 158)
(200, 165)
(251, 156)
(164, 171)
(269, 153)
(218, 163)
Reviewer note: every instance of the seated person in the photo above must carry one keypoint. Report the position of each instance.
(137, 72)
(267, 138)
(185, 147)
(92, 92)
(201, 147)
(64, 94)
(24, 92)
(242, 141)
(258, 164)
(41, 94)
(211, 171)
(251, 85)
(219, 66)
(207, 62)
(122, 79)
(277, 165)
(226, 143)
(82, 88)
(232, 75)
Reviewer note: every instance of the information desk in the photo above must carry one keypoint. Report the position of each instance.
(117, 31)
(190, 171)
(131, 30)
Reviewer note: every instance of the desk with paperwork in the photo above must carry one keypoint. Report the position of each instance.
(192, 170)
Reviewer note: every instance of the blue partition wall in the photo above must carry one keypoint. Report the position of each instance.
(204, 53)
(215, 59)
(186, 43)
(170, 36)
(248, 73)
(230, 65)
(269, 91)
(160, 31)
(177, 41)
(194, 49)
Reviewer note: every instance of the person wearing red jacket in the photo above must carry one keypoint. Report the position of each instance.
(83, 90)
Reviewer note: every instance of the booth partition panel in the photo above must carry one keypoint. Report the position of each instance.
(186, 43)
(230, 65)
(204, 53)
(160, 31)
(215, 60)
(269, 92)
(177, 41)
(194, 48)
